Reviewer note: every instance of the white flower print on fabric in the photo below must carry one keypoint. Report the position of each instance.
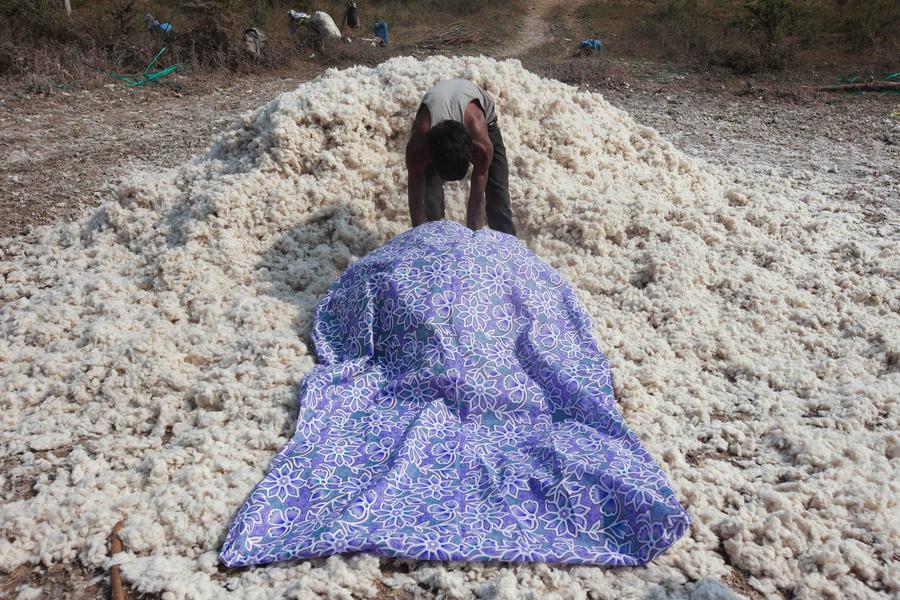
(280, 521)
(282, 483)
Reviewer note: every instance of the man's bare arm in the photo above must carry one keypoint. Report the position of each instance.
(475, 208)
(416, 161)
(482, 155)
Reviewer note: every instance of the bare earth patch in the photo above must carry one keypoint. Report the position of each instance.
(67, 151)
(845, 146)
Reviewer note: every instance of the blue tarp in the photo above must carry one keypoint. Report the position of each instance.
(591, 44)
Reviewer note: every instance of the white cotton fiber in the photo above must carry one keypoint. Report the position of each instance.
(150, 354)
(29, 593)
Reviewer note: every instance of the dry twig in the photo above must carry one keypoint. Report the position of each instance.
(453, 35)
(115, 575)
(869, 86)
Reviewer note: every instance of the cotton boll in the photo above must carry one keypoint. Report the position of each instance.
(710, 589)
(26, 592)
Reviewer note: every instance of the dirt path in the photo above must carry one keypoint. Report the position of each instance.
(536, 29)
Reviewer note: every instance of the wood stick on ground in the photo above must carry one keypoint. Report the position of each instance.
(453, 35)
(869, 86)
(115, 575)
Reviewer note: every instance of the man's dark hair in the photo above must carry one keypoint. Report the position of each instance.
(450, 150)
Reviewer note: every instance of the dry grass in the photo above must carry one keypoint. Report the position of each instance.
(44, 51)
(596, 71)
(455, 35)
(749, 35)
(339, 53)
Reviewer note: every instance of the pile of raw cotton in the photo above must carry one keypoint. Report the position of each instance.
(150, 355)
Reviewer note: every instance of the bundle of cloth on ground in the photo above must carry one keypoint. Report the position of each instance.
(460, 410)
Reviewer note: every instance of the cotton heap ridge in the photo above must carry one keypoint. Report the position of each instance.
(150, 355)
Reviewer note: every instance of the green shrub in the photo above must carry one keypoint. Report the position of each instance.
(775, 19)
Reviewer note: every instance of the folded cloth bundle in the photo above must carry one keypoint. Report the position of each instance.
(461, 410)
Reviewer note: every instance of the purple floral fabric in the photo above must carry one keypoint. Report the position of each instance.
(461, 410)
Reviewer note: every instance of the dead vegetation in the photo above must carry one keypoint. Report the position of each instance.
(46, 50)
(454, 35)
(583, 70)
(750, 36)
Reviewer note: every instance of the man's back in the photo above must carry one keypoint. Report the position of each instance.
(448, 100)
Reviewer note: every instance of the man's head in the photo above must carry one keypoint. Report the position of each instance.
(450, 150)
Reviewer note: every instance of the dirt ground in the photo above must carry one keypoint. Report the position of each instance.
(846, 147)
(65, 153)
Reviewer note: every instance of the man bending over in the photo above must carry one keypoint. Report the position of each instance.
(457, 125)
